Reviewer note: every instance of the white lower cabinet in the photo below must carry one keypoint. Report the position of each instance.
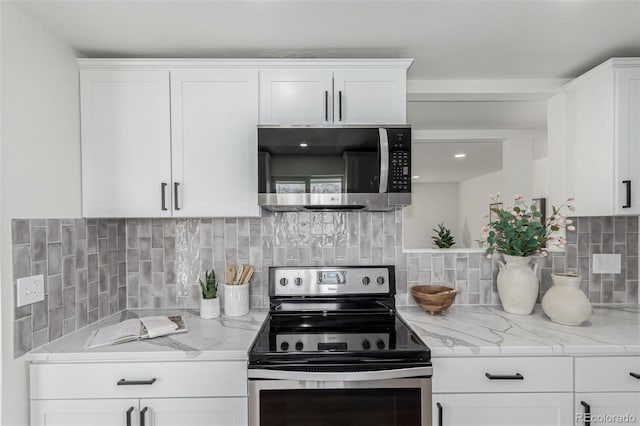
(611, 408)
(212, 393)
(83, 412)
(195, 411)
(515, 409)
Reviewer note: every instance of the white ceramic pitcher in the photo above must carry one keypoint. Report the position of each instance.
(518, 284)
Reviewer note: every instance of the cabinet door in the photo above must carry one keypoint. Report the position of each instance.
(627, 138)
(295, 96)
(214, 143)
(370, 97)
(195, 411)
(95, 412)
(493, 409)
(126, 146)
(608, 408)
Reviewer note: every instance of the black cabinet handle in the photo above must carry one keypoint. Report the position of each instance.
(326, 105)
(587, 413)
(142, 415)
(340, 105)
(635, 375)
(440, 414)
(125, 382)
(129, 411)
(516, 376)
(627, 184)
(175, 195)
(163, 190)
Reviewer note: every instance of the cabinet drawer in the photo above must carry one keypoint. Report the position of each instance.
(552, 374)
(172, 379)
(607, 374)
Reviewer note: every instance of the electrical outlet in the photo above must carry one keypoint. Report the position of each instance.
(606, 264)
(30, 290)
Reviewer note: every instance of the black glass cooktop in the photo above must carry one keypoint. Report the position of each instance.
(313, 341)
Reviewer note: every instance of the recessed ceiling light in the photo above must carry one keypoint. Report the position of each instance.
(416, 177)
(461, 155)
(303, 145)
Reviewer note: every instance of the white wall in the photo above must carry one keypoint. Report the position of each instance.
(431, 204)
(40, 160)
(473, 202)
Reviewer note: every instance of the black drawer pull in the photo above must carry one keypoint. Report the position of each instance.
(142, 415)
(129, 411)
(175, 195)
(635, 375)
(587, 413)
(163, 190)
(440, 414)
(125, 382)
(516, 376)
(627, 184)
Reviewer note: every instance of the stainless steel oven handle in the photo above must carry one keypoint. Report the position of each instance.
(384, 160)
(360, 376)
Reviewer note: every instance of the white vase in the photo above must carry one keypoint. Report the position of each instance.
(209, 308)
(518, 284)
(564, 302)
(236, 299)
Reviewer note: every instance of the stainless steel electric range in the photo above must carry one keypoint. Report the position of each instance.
(333, 352)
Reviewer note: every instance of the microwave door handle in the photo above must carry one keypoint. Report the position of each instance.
(384, 160)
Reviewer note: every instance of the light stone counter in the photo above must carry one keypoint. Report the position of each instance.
(223, 338)
(488, 330)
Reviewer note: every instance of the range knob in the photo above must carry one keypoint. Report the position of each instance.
(284, 346)
(366, 280)
(298, 281)
(284, 281)
(380, 280)
(299, 346)
(380, 344)
(366, 345)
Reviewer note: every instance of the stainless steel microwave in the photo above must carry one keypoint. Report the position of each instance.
(334, 168)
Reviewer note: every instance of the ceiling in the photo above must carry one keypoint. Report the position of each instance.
(448, 39)
(435, 162)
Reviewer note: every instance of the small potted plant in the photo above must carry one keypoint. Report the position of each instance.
(210, 303)
(518, 233)
(443, 238)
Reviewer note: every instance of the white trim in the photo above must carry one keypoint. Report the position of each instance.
(483, 90)
(607, 65)
(262, 63)
(445, 135)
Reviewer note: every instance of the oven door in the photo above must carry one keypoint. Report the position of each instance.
(341, 399)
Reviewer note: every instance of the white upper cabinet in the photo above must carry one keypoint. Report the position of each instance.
(296, 97)
(126, 143)
(370, 96)
(178, 137)
(594, 139)
(214, 142)
(334, 96)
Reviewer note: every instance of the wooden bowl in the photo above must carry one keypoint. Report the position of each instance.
(434, 298)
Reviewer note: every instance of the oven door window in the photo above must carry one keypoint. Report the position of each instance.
(341, 407)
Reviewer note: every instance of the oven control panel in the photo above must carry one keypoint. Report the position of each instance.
(325, 281)
(331, 342)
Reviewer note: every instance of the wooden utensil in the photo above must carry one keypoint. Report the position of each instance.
(231, 273)
(246, 270)
(248, 274)
(239, 273)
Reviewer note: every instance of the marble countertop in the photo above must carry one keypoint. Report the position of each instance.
(488, 330)
(223, 338)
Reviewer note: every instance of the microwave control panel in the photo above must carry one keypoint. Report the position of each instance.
(400, 160)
